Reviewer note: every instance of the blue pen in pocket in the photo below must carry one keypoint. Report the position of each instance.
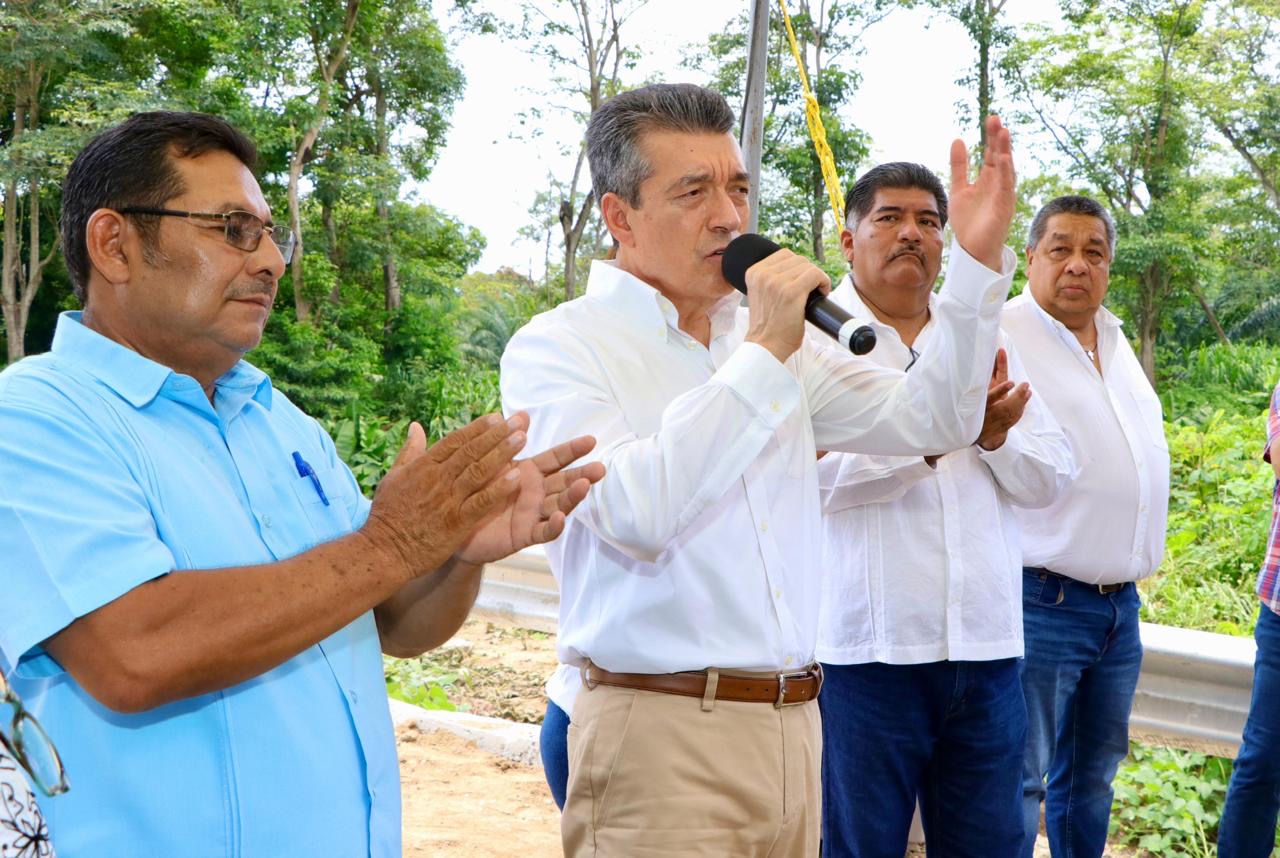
(305, 470)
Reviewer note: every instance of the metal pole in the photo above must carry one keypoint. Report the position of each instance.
(752, 134)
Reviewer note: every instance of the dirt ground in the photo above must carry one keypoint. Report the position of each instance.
(461, 802)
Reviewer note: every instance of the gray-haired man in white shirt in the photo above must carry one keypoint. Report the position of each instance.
(921, 618)
(1084, 551)
(690, 582)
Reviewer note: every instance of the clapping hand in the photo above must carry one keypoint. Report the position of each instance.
(1005, 404)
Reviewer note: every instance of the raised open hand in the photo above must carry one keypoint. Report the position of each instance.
(981, 211)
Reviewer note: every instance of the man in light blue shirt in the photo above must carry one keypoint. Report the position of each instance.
(197, 595)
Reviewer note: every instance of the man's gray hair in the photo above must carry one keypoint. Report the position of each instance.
(1071, 204)
(614, 133)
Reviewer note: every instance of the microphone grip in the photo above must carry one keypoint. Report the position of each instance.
(833, 320)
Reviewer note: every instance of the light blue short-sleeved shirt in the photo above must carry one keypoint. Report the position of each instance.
(115, 470)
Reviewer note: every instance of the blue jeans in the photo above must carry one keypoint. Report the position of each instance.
(1248, 827)
(1083, 656)
(553, 746)
(948, 733)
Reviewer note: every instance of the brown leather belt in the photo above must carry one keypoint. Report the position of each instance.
(783, 689)
(1104, 589)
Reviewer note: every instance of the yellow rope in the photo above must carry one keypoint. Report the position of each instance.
(813, 115)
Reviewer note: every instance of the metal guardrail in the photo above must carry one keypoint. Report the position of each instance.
(1193, 692)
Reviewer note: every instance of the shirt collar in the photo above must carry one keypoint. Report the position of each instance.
(1103, 318)
(847, 296)
(645, 306)
(139, 380)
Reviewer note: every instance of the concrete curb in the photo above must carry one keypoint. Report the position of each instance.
(506, 739)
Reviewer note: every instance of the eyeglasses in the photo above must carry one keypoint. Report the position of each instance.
(27, 742)
(243, 230)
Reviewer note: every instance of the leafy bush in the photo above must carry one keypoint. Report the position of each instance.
(440, 401)
(1219, 515)
(419, 682)
(1169, 801)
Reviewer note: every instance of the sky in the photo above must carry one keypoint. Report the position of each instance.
(491, 167)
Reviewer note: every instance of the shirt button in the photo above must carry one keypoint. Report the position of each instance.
(764, 525)
(355, 698)
(790, 661)
(266, 521)
(777, 594)
(775, 406)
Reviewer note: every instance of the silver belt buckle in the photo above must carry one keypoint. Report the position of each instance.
(782, 688)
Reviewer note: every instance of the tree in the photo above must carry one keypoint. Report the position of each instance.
(41, 42)
(981, 20)
(1238, 86)
(829, 35)
(401, 65)
(582, 41)
(1111, 95)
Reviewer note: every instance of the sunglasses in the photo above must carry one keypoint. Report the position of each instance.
(26, 741)
(243, 230)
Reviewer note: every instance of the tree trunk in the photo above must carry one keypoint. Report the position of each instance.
(14, 322)
(815, 215)
(1209, 314)
(984, 75)
(328, 69)
(390, 273)
(570, 250)
(301, 304)
(1151, 285)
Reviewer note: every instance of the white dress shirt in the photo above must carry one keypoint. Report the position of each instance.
(1108, 526)
(923, 563)
(701, 546)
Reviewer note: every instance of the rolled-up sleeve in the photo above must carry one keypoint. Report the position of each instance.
(76, 529)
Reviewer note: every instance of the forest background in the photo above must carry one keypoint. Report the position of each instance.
(1167, 110)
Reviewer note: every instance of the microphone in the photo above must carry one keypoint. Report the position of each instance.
(748, 249)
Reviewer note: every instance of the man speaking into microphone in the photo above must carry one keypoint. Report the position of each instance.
(689, 579)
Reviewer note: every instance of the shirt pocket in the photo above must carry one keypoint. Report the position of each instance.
(327, 521)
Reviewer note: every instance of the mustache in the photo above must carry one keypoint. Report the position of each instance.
(908, 251)
(267, 290)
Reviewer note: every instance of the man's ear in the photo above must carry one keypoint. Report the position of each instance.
(616, 214)
(846, 244)
(105, 236)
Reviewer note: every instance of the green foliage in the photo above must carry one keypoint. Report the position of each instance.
(1168, 801)
(1215, 400)
(419, 682)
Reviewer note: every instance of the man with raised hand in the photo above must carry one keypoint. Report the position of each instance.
(690, 577)
(1084, 553)
(197, 595)
(921, 619)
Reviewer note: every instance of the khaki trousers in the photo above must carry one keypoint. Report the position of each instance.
(654, 774)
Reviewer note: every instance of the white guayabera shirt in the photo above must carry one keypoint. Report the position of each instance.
(23, 833)
(701, 546)
(923, 563)
(1108, 527)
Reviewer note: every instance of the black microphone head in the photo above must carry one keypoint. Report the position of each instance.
(863, 340)
(743, 252)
